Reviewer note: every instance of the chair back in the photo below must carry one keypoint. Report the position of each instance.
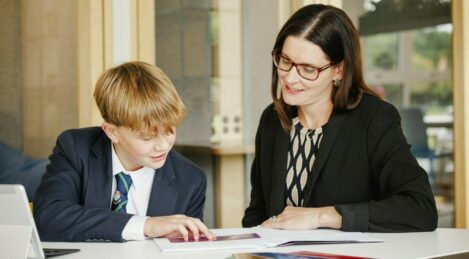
(415, 130)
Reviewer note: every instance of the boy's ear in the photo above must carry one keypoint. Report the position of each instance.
(110, 131)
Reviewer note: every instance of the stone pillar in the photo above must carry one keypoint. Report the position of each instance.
(10, 74)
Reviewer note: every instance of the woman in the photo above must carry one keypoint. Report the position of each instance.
(329, 152)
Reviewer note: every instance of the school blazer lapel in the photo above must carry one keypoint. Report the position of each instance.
(329, 137)
(98, 177)
(163, 195)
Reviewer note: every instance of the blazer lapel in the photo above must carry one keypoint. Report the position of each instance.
(98, 180)
(279, 171)
(329, 137)
(163, 196)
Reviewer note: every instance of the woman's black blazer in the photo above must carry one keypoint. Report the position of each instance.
(364, 168)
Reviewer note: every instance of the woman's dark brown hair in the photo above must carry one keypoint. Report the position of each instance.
(332, 30)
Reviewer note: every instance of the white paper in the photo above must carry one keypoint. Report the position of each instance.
(269, 238)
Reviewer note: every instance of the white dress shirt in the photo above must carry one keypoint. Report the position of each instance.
(138, 197)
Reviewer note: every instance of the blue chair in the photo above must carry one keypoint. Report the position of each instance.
(18, 168)
(415, 130)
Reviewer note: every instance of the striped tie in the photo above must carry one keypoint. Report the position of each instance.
(119, 200)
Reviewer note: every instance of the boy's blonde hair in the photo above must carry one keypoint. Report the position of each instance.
(139, 96)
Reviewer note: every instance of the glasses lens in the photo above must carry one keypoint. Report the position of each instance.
(307, 72)
(281, 62)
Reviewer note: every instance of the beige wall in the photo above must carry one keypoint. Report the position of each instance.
(51, 53)
(48, 72)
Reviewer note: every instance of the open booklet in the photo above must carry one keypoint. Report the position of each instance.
(257, 237)
(293, 255)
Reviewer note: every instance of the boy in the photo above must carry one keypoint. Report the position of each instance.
(123, 181)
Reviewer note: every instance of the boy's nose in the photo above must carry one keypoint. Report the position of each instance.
(162, 143)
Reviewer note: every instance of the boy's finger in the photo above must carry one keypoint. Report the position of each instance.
(193, 229)
(182, 229)
(204, 229)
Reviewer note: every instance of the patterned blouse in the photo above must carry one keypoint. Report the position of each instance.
(304, 145)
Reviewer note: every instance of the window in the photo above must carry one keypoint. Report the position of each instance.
(408, 62)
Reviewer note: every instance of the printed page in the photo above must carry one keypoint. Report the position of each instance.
(257, 237)
(231, 238)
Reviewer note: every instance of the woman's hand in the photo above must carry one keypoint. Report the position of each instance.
(176, 225)
(305, 218)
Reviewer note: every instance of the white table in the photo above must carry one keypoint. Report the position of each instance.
(443, 241)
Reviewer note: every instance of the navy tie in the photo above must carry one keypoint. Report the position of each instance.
(119, 200)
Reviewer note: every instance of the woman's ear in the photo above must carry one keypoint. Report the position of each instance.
(339, 70)
(110, 131)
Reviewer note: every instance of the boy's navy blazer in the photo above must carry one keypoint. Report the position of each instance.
(74, 199)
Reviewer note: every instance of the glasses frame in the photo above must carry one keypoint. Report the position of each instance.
(293, 64)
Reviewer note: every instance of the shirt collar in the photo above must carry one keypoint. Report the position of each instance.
(139, 177)
(296, 125)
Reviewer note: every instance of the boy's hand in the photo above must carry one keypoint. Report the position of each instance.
(176, 224)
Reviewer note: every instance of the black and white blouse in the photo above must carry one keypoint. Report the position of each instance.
(304, 145)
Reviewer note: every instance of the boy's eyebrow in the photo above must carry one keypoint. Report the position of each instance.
(142, 134)
(146, 134)
(153, 131)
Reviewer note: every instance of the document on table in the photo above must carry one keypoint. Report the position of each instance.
(257, 237)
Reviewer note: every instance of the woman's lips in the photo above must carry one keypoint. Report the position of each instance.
(293, 91)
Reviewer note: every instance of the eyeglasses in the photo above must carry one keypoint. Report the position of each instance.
(306, 71)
